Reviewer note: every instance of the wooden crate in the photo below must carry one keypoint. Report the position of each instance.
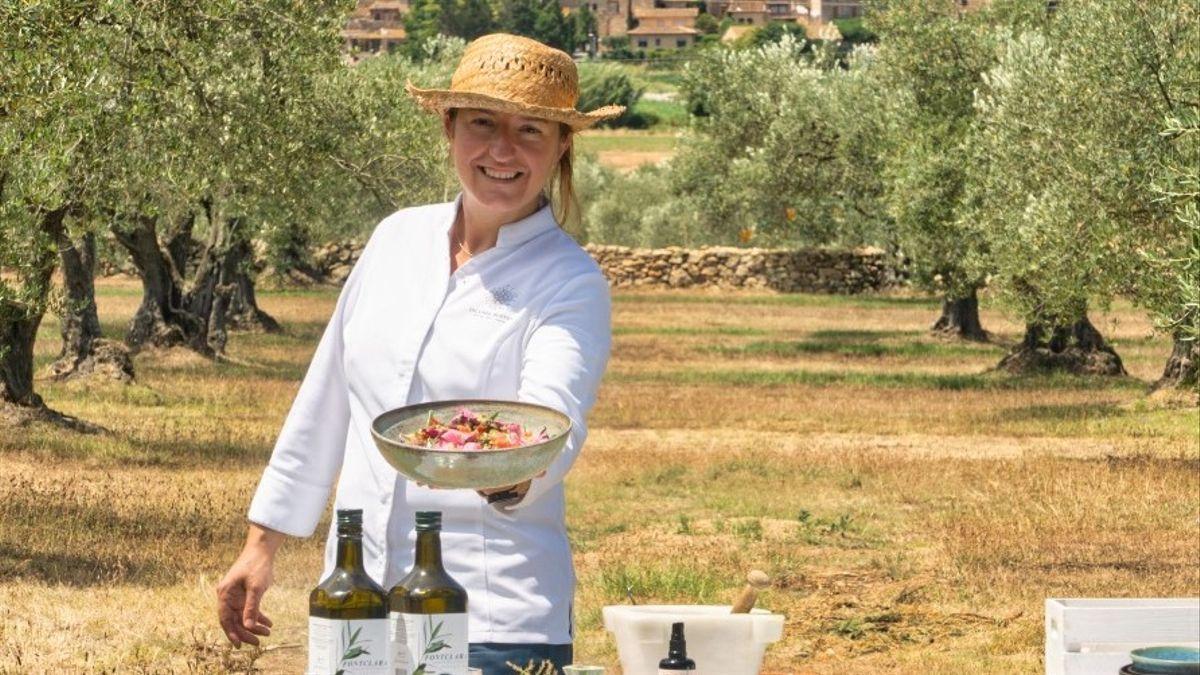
(1093, 636)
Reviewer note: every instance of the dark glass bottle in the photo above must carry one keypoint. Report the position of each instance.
(677, 659)
(347, 612)
(429, 610)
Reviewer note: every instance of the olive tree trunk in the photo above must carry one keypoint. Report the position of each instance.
(244, 312)
(1183, 366)
(16, 360)
(219, 297)
(84, 351)
(162, 320)
(960, 319)
(1077, 348)
(19, 322)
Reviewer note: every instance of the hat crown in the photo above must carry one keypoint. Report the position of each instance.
(517, 69)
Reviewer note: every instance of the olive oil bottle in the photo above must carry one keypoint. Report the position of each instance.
(428, 610)
(347, 612)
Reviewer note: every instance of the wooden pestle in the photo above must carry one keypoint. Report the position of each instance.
(755, 580)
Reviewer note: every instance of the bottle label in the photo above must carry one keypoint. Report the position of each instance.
(429, 644)
(348, 647)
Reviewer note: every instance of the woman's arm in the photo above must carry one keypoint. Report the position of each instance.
(564, 362)
(296, 483)
(308, 454)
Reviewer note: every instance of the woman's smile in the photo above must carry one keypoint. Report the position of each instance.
(501, 175)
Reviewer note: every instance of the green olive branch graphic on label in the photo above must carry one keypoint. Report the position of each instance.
(434, 643)
(350, 648)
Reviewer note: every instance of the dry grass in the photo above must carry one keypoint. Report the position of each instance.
(912, 510)
(625, 150)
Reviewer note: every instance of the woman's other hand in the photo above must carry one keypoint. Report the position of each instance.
(240, 593)
(507, 496)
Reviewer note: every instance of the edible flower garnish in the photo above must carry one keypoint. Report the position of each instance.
(469, 431)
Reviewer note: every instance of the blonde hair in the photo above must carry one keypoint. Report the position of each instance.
(565, 203)
(560, 189)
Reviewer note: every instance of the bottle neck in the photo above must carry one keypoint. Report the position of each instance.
(429, 550)
(349, 553)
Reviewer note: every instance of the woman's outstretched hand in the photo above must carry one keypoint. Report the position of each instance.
(240, 593)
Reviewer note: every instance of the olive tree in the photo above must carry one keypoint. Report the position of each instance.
(1170, 285)
(58, 99)
(1070, 169)
(931, 59)
(230, 88)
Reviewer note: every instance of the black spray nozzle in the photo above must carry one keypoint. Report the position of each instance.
(678, 643)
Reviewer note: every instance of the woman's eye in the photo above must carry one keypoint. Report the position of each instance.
(481, 122)
(532, 130)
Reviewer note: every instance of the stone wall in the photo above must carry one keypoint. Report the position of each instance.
(784, 270)
(334, 261)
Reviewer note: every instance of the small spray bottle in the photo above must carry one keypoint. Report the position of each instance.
(677, 660)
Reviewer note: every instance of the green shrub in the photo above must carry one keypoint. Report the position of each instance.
(604, 84)
(639, 208)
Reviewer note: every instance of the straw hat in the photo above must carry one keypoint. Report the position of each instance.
(514, 74)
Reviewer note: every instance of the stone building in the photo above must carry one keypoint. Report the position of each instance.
(374, 26)
(664, 28)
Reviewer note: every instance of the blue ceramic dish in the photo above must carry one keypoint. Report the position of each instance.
(1167, 660)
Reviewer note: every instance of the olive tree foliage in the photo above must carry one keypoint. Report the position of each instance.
(633, 209)
(787, 153)
(930, 61)
(377, 151)
(788, 161)
(1083, 181)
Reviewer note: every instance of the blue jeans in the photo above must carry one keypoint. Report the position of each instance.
(491, 657)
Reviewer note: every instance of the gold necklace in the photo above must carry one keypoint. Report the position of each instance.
(462, 245)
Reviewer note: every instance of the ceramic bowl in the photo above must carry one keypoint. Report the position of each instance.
(475, 469)
(1167, 660)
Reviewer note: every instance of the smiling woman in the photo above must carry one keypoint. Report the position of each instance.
(485, 297)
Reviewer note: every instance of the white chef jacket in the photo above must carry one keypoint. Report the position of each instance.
(526, 320)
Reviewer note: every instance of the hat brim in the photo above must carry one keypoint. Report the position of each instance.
(440, 100)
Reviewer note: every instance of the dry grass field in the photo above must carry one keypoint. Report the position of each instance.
(625, 150)
(912, 509)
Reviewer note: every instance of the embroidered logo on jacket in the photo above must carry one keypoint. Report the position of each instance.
(505, 295)
(498, 306)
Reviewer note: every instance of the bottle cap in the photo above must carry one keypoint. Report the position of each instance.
(349, 521)
(429, 521)
(678, 642)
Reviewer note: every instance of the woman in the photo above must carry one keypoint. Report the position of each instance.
(482, 297)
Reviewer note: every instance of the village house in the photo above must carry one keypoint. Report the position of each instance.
(747, 12)
(828, 10)
(612, 16)
(786, 10)
(664, 28)
(375, 26)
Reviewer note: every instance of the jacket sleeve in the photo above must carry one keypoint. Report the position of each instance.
(307, 458)
(564, 362)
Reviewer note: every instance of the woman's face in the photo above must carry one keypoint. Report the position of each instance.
(503, 160)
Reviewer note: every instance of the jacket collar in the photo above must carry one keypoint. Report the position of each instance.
(516, 233)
